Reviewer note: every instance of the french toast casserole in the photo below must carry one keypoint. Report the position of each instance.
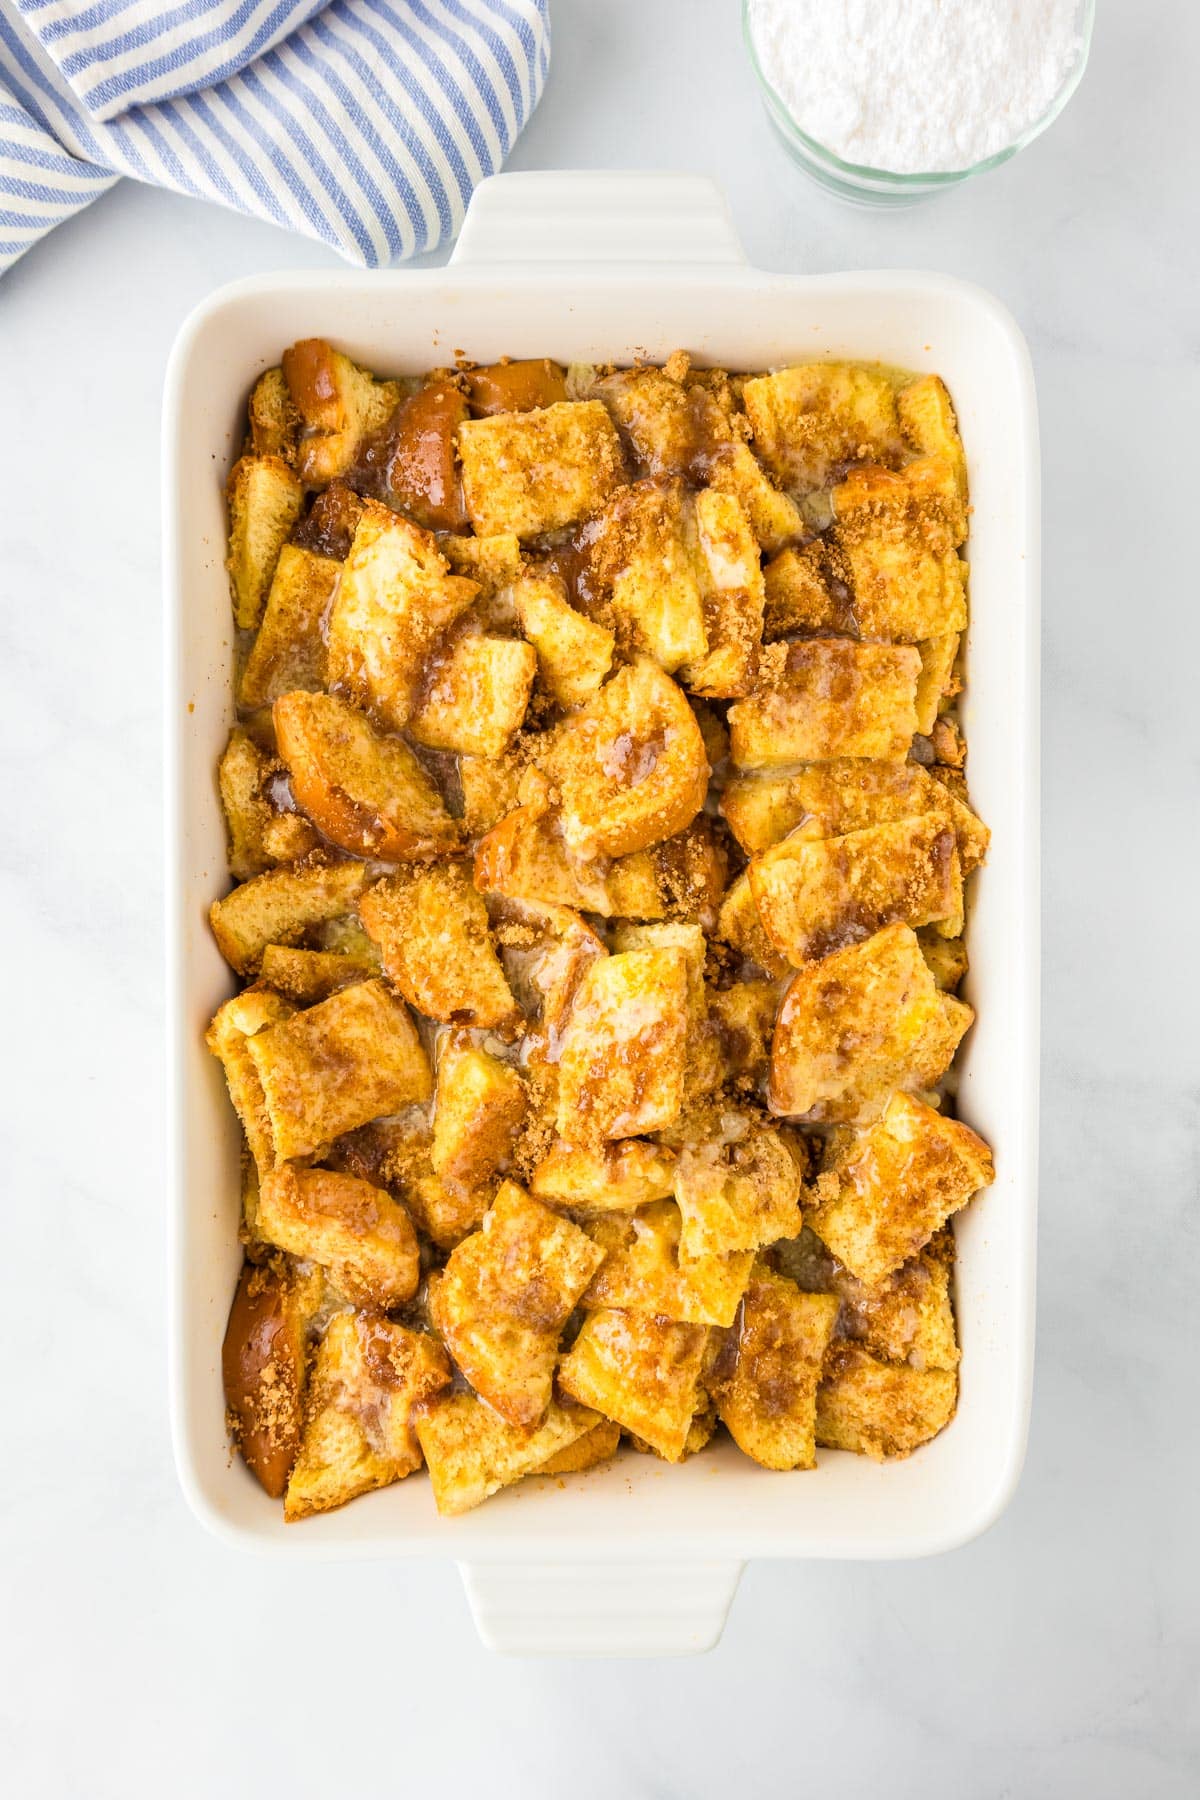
(598, 827)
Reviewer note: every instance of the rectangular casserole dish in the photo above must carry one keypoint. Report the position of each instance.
(636, 1557)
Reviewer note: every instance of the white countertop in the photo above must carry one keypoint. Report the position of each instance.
(1056, 1656)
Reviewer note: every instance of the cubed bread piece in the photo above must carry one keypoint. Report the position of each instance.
(433, 934)
(907, 1317)
(743, 1016)
(307, 976)
(774, 517)
(526, 857)
(595, 1447)
(264, 498)
(413, 458)
(239, 1019)
(263, 1366)
(816, 895)
(393, 605)
(739, 925)
(618, 1177)
(370, 1377)
(731, 592)
(682, 878)
(327, 528)
(355, 1230)
(687, 936)
(546, 952)
(802, 592)
(367, 793)
(475, 696)
(881, 1409)
(533, 472)
(806, 420)
(643, 1271)
(447, 1214)
(898, 532)
(947, 958)
(494, 562)
(640, 1372)
(281, 906)
(859, 1024)
(340, 404)
(260, 834)
(821, 698)
(768, 1399)
(623, 1052)
(574, 654)
(673, 428)
(490, 787)
(478, 1110)
(289, 650)
(927, 420)
(896, 1184)
(472, 1452)
(516, 385)
(937, 679)
(274, 421)
(353, 1058)
(645, 563)
(504, 1296)
(630, 766)
(737, 1186)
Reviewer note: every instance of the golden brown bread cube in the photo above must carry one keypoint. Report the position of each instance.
(896, 1184)
(367, 793)
(472, 1452)
(264, 498)
(816, 895)
(524, 856)
(646, 564)
(394, 603)
(307, 976)
(859, 1024)
(280, 906)
(596, 1446)
(907, 1317)
(274, 421)
(828, 800)
(414, 460)
(621, 1066)
(927, 420)
(446, 1214)
(803, 592)
(490, 788)
(289, 651)
(478, 1110)
(768, 1398)
(881, 1409)
(355, 1230)
(546, 952)
(475, 697)
(533, 472)
(433, 935)
(260, 834)
(808, 419)
(630, 765)
(340, 406)
(898, 532)
(774, 517)
(731, 590)
(251, 1011)
(739, 924)
(369, 1378)
(644, 1272)
(673, 428)
(937, 678)
(503, 1298)
(743, 1017)
(494, 562)
(821, 698)
(264, 1365)
(640, 1372)
(574, 654)
(737, 1186)
(618, 1177)
(947, 958)
(342, 1063)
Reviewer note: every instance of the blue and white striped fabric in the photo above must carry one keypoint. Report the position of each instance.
(364, 123)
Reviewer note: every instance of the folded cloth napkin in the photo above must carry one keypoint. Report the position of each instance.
(364, 123)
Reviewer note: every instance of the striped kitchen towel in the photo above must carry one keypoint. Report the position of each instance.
(364, 123)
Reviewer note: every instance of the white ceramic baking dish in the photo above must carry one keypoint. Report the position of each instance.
(638, 1558)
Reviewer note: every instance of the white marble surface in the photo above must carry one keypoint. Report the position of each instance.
(1057, 1656)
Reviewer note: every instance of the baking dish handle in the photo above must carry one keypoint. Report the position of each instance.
(600, 1608)
(597, 215)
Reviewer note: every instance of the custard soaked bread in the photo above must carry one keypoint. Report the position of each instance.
(601, 854)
